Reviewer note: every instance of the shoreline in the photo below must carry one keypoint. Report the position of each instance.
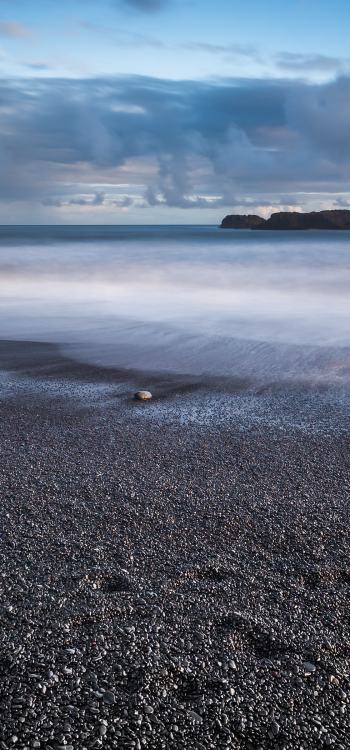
(312, 405)
(169, 584)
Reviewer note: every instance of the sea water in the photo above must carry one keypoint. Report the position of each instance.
(185, 299)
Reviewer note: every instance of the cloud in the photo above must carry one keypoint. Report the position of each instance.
(202, 144)
(292, 62)
(123, 37)
(305, 63)
(38, 66)
(341, 202)
(14, 29)
(96, 200)
(226, 50)
(146, 5)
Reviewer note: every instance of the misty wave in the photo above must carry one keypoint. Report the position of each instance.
(190, 303)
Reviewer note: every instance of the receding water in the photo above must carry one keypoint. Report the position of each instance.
(265, 305)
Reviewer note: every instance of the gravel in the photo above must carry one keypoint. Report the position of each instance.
(170, 586)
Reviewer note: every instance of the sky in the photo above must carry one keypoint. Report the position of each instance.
(172, 111)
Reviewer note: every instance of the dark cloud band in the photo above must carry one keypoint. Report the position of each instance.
(216, 138)
(147, 5)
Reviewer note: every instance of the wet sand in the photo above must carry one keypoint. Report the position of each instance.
(171, 578)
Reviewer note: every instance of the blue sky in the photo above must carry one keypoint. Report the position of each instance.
(183, 39)
(172, 110)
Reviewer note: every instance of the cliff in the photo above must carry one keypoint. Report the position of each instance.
(334, 219)
(242, 221)
(313, 220)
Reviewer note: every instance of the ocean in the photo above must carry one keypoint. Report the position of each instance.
(183, 299)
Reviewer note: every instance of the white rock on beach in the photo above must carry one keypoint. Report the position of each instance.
(143, 395)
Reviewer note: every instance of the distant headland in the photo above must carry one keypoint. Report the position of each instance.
(335, 219)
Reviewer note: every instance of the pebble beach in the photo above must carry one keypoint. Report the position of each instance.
(167, 583)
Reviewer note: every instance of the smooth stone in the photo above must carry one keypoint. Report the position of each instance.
(109, 697)
(143, 395)
(309, 667)
(195, 717)
(275, 728)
